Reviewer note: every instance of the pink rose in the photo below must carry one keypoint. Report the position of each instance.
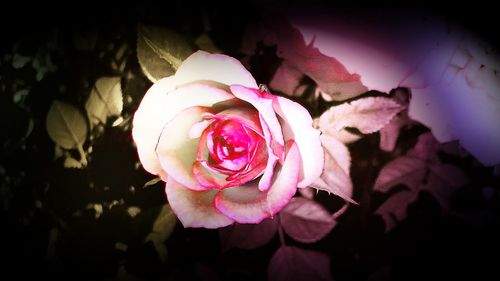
(227, 151)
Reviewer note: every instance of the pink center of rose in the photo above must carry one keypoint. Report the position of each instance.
(232, 149)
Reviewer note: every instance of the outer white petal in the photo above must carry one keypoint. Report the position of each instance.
(160, 104)
(213, 67)
(297, 126)
(194, 208)
(148, 123)
(177, 151)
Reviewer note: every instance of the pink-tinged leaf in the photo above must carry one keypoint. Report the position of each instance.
(405, 170)
(442, 181)
(449, 174)
(340, 211)
(343, 135)
(420, 171)
(389, 133)
(426, 147)
(247, 236)
(393, 210)
(454, 148)
(286, 79)
(307, 192)
(336, 176)
(368, 115)
(306, 221)
(330, 75)
(295, 264)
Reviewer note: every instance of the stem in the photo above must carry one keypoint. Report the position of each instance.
(83, 158)
(280, 232)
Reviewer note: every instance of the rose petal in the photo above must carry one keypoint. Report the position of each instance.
(194, 94)
(210, 178)
(159, 105)
(297, 125)
(264, 105)
(265, 180)
(148, 122)
(177, 151)
(213, 67)
(198, 128)
(246, 204)
(194, 208)
(246, 116)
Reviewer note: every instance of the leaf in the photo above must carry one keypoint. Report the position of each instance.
(120, 58)
(389, 134)
(340, 90)
(105, 100)
(368, 115)
(205, 43)
(394, 209)
(152, 182)
(344, 136)
(58, 152)
(449, 174)
(329, 74)
(406, 170)
(19, 61)
(287, 79)
(66, 125)
(295, 264)
(121, 246)
(160, 51)
(306, 192)
(305, 220)
(442, 181)
(133, 211)
(335, 177)
(426, 147)
(71, 162)
(427, 174)
(162, 229)
(247, 236)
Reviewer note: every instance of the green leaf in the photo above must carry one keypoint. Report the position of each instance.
(162, 229)
(160, 51)
(152, 182)
(72, 163)
(205, 43)
(105, 100)
(66, 125)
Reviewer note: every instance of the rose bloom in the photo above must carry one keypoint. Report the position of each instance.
(227, 151)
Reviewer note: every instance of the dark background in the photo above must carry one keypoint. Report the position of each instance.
(429, 244)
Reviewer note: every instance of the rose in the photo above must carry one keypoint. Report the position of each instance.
(227, 151)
